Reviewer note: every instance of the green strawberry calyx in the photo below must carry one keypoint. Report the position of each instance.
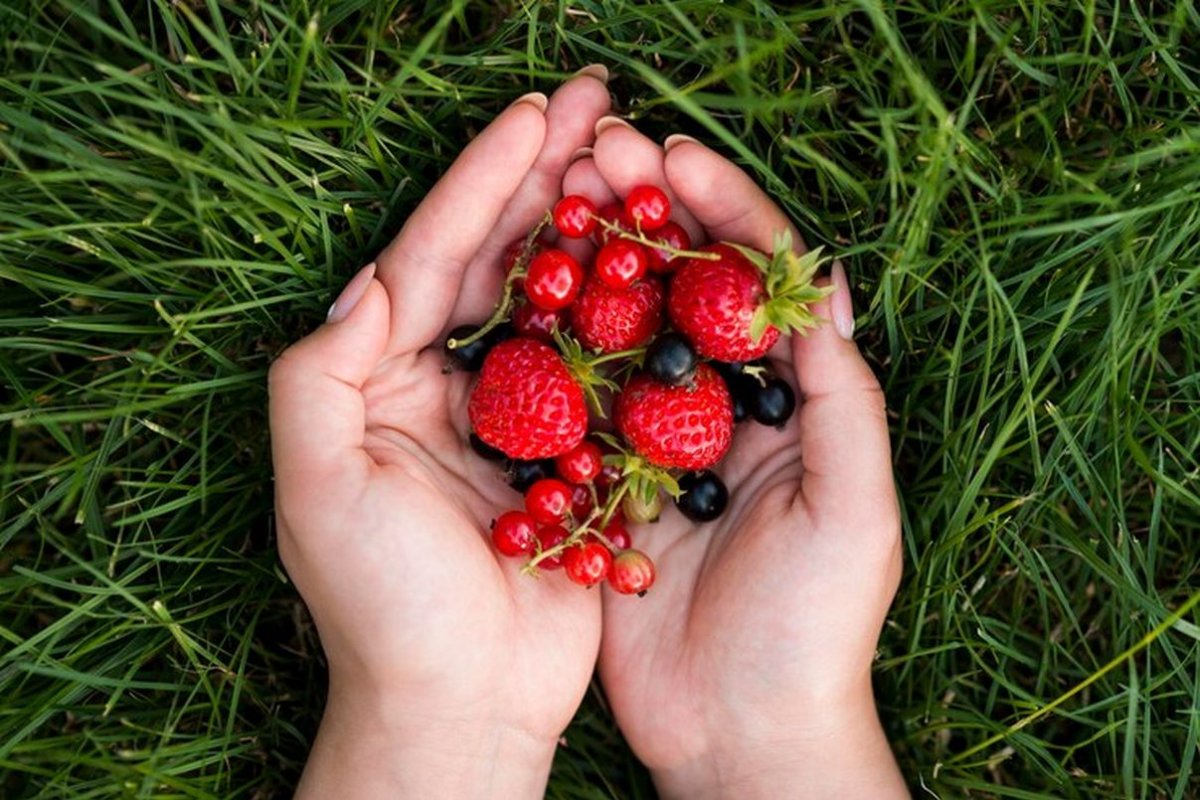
(788, 279)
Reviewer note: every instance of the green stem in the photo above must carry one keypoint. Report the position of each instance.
(641, 238)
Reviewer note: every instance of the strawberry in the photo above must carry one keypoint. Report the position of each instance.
(610, 320)
(735, 307)
(677, 426)
(527, 404)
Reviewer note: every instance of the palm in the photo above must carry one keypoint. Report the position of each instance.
(531, 637)
(783, 596)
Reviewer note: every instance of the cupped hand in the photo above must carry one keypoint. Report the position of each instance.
(450, 673)
(745, 671)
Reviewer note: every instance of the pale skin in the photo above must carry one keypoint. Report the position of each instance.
(745, 672)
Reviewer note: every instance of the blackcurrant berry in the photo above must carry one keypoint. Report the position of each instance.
(671, 359)
(484, 450)
(772, 403)
(523, 474)
(470, 357)
(703, 496)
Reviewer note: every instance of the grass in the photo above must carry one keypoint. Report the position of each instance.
(1014, 186)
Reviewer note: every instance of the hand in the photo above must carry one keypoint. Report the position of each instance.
(745, 671)
(451, 675)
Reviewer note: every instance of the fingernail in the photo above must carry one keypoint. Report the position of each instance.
(597, 71)
(604, 123)
(678, 139)
(582, 152)
(354, 291)
(536, 99)
(843, 311)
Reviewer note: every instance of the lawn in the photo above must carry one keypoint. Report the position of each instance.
(1014, 186)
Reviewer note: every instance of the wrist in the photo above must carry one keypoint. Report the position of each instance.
(376, 744)
(838, 751)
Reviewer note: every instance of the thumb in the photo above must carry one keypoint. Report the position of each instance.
(317, 413)
(843, 422)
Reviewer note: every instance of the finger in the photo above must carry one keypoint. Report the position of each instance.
(317, 415)
(423, 266)
(627, 159)
(843, 424)
(570, 122)
(723, 198)
(582, 177)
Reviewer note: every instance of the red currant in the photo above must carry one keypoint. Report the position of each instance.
(617, 534)
(649, 206)
(513, 533)
(548, 500)
(574, 216)
(580, 464)
(587, 564)
(620, 262)
(553, 280)
(613, 213)
(672, 235)
(549, 537)
(609, 474)
(537, 323)
(631, 572)
(581, 501)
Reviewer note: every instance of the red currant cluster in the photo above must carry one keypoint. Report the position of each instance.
(668, 339)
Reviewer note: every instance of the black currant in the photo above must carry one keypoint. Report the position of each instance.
(703, 496)
(485, 450)
(523, 474)
(470, 357)
(671, 359)
(772, 403)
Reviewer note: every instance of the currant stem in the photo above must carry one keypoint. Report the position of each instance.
(500, 312)
(641, 238)
(584, 528)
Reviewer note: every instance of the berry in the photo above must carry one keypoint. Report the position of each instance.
(673, 235)
(772, 403)
(703, 496)
(548, 500)
(551, 536)
(677, 426)
(483, 449)
(523, 474)
(620, 262)
(631, 572)
(537, 323)
(671, 359)
(611, 320)
(648, 206)
(617, 534)
(613, 213)
(526, 402)
(574, 216)
(514, 532)
(734, 308)
(581, 464)
(586, 564)
(582, 502)
(553, 280)
(609, 474)
(641, 509)
(469, 357)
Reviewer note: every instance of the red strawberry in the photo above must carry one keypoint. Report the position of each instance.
(610, 320)
(677, 426)
(526, 403)
(733, 308)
